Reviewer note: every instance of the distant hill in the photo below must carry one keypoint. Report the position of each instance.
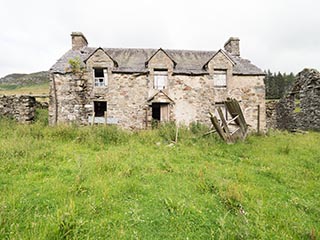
(26, 79)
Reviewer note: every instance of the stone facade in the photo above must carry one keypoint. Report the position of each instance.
(19, 107)
(300, 108)
(129, 97)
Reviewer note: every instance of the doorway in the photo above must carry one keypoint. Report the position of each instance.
(99, 108)
(160, 112)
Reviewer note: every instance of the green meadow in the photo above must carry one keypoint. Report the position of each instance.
(99, 182)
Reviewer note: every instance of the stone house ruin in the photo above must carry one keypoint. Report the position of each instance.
(300, 108)
(134, 87)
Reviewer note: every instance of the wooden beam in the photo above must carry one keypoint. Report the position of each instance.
(224, 123)
(105, 118)
(258, 120)
(93, 116)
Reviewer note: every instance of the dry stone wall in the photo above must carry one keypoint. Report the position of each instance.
(271, 116)
(19, 107)
(300, 108)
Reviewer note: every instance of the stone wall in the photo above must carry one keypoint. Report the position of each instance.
(300, 108)
(250, 92)
(271, 116)
(19, 107)
(128, 98)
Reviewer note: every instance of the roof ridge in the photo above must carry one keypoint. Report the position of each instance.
(156, 49)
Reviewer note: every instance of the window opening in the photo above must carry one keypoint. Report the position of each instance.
(100, 77)
(160, 79)
(220, 78)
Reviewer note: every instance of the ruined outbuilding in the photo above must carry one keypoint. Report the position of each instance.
(19, 107)
(300, 108)
(135, 87)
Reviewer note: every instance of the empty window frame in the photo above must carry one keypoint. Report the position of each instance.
(100, 107)
(160, 79)
(100, 77)
(220, 78)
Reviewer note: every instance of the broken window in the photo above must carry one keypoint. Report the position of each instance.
(100, 77)
(100, 107)
(160, 79)
(220, 78)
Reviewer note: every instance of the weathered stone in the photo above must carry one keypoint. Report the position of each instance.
(300, 108)
(19, 107)
(188, 96)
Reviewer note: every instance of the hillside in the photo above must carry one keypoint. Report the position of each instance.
(31, 84)
(98, 182)
(25, 79)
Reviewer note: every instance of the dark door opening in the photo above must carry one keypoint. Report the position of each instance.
(99, 108)
(160, 112)
(156, 113)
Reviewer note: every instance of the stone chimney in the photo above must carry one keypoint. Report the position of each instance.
(78, 40)
(232, 46)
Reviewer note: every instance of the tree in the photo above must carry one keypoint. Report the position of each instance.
(277, 84)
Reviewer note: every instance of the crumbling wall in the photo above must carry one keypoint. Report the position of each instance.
(300, 109)
(19, 107)
(271, 116)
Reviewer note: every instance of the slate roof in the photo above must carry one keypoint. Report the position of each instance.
(134, 61)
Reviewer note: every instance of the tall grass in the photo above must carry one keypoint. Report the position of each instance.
(70, 182)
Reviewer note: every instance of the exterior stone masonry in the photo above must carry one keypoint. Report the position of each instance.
(300, 108)
(129, 94)
(19, 107)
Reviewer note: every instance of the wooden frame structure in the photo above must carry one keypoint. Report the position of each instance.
(230, 130)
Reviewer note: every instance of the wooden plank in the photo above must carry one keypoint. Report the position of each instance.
(236, 130)
(215, 122)
(211, 131)
(258, 123)
(147, 117)
(93, 116)
(105, 118)
(224, 123)
(229, 122)
(234, 109)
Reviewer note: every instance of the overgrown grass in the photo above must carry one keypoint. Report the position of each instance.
(34, 89)
(71, 182)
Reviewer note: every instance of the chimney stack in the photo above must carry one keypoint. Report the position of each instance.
(78, 40)
(232, 46)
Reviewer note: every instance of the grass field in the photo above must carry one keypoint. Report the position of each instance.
(35, 89)
(102, 183)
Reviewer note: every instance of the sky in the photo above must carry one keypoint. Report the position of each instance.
(280, 35)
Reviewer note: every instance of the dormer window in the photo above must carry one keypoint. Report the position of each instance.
(160, 79)
(100, 77)
(220, 78)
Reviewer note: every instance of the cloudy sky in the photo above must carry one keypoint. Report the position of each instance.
(280, 35)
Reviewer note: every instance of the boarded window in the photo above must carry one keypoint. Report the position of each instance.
(100, 77)
(160, 79)
(220, 78)
(99, 108)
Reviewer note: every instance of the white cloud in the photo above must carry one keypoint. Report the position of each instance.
(277, 35)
